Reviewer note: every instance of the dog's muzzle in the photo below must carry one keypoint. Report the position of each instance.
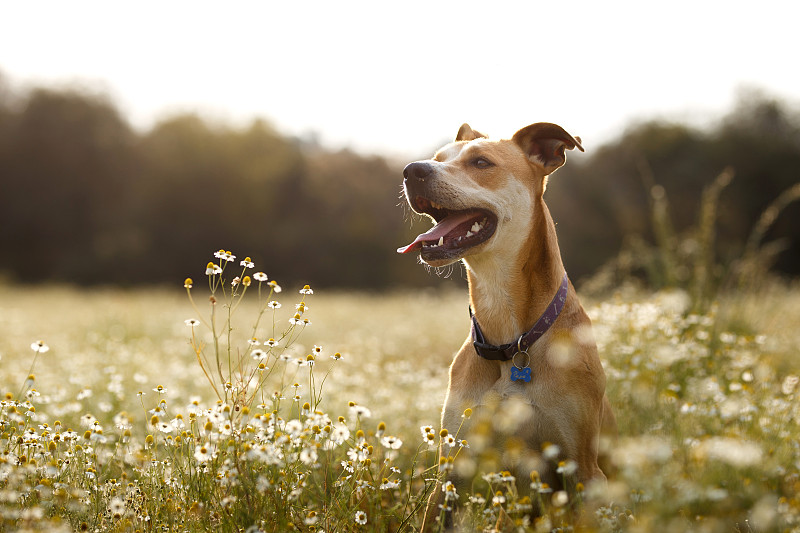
(457, 227)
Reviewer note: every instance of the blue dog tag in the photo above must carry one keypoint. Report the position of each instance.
(521, 374)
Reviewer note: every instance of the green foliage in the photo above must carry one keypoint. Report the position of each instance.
(689, 260)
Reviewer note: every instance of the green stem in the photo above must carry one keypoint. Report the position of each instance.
(30, 372)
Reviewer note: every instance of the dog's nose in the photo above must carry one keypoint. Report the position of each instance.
(418, 171)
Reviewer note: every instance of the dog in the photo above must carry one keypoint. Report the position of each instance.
(530, 355)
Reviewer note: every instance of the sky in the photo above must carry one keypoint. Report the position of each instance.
(399, 78)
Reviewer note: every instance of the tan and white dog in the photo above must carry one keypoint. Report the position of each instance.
(531, 340)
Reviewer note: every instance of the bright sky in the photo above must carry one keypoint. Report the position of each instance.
(399, 78)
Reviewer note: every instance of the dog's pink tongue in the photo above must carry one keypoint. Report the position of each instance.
(437, 232)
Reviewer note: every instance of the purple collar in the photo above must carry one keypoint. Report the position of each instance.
(506, 352)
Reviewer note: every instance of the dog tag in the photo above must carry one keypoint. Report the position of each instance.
(521, 374)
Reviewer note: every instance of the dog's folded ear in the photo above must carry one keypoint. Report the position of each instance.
(465, 133)
(545, 144)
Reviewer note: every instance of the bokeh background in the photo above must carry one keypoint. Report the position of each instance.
(136, 139)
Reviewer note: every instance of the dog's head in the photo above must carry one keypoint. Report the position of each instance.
(480, 192)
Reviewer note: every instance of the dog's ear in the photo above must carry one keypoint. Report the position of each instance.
(465, 133)
(545, 144)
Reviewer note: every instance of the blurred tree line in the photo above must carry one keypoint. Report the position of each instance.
(87, 199)
(696, 196)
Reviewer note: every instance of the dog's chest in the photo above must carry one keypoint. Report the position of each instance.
(504, 388)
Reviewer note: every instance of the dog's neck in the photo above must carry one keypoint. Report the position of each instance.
(508, 295)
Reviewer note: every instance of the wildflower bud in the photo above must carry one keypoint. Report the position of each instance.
(534, 475)
(51, 446)
(381, 426)
(367, 461)
(351, 404)
(212, 300)
(369, 449)
(467, 412)
(31, 377)
(359, 434)
(187, 283)
(246, 281)
(87, 434)
(209, 426)
(245, 410)
(309, 357)
(149, 440)
(443, 433)
(127, 433)
(341, 420)
(306, 406)
(153, 420)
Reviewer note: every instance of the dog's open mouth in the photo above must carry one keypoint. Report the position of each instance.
(454, 232)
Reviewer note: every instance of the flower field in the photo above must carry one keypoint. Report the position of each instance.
(242, 408)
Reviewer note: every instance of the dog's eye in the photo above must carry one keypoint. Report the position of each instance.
(482, 162)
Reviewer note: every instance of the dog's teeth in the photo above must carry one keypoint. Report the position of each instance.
(476, 227)
(469, 234)
(441, 241)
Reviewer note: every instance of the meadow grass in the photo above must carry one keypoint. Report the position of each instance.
(135, 420)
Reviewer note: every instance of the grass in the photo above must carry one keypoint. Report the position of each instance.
(706, 403)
